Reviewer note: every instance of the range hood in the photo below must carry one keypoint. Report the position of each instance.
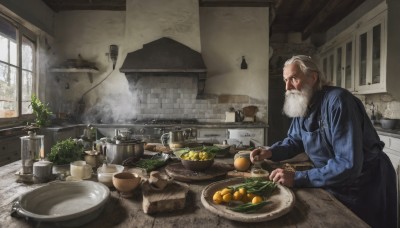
(164, 57)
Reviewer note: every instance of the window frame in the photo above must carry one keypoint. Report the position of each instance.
(22, 31)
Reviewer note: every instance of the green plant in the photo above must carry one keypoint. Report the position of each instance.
(41, 111)
(65, 152)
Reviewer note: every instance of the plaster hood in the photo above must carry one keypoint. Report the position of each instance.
(164, 57)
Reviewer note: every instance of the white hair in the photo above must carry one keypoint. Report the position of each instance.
(307, 66)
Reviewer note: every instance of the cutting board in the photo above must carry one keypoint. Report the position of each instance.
(178, 172)
(171, 198)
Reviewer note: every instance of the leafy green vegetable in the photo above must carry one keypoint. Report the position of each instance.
(249, 207)
(65, 152)
(41, 111)
(258, 186)
(150, 164)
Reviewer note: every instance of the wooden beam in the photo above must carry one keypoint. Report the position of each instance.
(329, 15)
(321, 16)
(236, 3)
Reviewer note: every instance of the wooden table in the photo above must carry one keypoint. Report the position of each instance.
(313, 208)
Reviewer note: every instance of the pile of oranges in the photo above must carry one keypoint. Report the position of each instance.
(226, 195)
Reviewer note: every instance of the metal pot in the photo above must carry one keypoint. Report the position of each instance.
(173, 137)
(117, 153)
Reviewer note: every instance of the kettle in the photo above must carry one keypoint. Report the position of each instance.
(239, 116)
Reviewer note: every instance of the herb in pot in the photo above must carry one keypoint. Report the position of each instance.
(41, 111)
(65, 152)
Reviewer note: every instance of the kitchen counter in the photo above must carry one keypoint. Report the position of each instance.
(313, 207)
(387, 132)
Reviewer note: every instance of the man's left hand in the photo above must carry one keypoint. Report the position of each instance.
(283, 177)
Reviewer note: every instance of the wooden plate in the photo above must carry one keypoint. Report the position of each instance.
(282, 202)
(179, 172)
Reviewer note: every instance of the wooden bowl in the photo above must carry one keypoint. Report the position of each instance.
(125, 183)
(197, 165)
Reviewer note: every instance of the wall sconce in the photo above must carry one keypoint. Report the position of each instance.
(243, 65)
(113, 54)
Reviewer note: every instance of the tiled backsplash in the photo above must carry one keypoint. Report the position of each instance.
(175, 97)
(385, 106)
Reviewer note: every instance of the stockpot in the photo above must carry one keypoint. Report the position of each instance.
(117, 153)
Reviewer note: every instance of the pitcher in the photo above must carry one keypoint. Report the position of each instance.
(174, 138)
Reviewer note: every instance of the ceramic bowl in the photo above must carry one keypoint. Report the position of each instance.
(70, 204)
(125, 183)
(388, 123)
(197, 165)
(105, 173)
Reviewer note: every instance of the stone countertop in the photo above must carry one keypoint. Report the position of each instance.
(387, 132)
(310, 205)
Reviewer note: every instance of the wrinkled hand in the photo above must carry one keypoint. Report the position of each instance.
(260, 154)
(283, 177)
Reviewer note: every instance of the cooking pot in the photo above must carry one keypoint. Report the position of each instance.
(117, 153)
(173, 137)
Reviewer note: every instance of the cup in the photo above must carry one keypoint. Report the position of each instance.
(81, 170)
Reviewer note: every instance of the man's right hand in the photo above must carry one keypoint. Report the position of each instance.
(260, 154)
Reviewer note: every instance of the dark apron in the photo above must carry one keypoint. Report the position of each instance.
(372, 196)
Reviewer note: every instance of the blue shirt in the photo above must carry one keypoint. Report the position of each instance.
(338, 137)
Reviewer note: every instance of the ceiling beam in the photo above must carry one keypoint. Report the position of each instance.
(329, 15)
(236, 3)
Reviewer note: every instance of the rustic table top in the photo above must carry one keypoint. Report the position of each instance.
(314, 207)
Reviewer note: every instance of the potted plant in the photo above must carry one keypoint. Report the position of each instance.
(65, 152)
(41, 111)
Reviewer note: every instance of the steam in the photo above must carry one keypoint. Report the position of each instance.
(113, 108)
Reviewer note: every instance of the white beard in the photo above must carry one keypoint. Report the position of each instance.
(296, 102)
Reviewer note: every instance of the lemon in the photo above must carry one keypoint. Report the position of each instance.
(226, 191)
(227, 198)
(237, 196)
(256, 199)
(242, 191)
(217, 198)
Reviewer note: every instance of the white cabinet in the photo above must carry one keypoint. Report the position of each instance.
(212, 135)
(356, 58)
(338, 64)
(233, 135)
(392, 149)
(371, 56)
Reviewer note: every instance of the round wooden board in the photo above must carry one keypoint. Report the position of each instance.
(282, 201)
(179, 172)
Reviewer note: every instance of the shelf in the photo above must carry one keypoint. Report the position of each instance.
(89, 71)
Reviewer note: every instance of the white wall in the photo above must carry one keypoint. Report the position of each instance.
(227, 34)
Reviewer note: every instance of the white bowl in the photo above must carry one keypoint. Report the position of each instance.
(65, 203)
(105, 173)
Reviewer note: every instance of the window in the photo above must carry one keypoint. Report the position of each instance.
(17, 69)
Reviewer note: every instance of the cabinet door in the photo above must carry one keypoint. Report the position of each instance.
(212, 135)
(370, 57)
(10, 151)
(338, 65)
(348, 65)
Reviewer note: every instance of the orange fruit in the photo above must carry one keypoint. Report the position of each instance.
(217, 198)
(237, 196)
(227, 198)
(226, 191)
(242, 164)
(256, 199)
